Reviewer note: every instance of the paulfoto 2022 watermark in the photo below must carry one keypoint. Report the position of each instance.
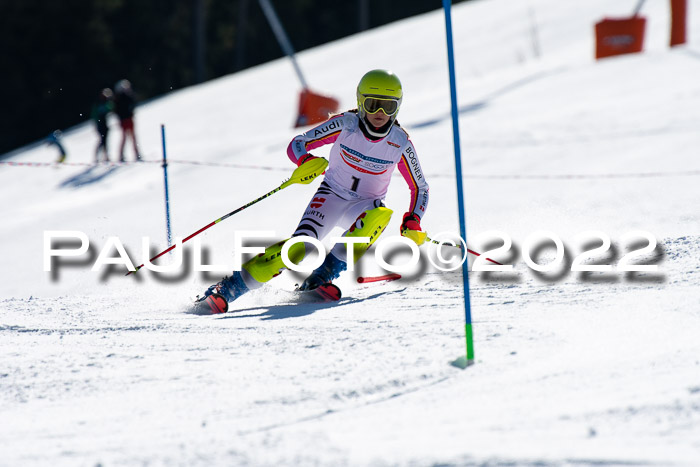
(542, 252)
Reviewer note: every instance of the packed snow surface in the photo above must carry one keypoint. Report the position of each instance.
(571, 368)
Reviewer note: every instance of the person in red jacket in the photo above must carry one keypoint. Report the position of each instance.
(124, 106)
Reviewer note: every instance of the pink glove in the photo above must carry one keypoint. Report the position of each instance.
(305, 158)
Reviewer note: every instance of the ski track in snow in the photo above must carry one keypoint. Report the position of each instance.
(307, 371)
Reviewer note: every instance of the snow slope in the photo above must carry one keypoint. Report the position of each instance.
(572, 368)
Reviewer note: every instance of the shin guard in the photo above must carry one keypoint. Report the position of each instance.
(269, 264)
(369, 224)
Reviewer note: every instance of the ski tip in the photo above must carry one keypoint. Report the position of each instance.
(217, 303)
(330, 292)
(325, 292)
(214, 304)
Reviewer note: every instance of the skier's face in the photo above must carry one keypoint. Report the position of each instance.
(378, 119)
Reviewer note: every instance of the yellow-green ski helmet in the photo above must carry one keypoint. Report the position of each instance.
(379, 90)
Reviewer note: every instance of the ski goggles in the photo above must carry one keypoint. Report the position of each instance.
(372, 105)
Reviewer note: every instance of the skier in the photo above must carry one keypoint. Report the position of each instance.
(100, 110)
(368, 143)
(124, 105)
(54, 139)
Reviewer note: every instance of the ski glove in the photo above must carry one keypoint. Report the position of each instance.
(410, 228)
(305, 158)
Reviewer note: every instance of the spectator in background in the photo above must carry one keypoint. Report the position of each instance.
(55, 140)
(124, 105)
(100, 110)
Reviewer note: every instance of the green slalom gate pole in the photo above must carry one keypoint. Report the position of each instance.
(462, 363)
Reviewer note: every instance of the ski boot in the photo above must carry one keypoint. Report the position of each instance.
(324, 274)
(219, 295)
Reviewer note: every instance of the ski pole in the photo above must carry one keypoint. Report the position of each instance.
(428, 239)
(387, 277)
(303, 174)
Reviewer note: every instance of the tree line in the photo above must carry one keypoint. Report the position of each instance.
(57, 55)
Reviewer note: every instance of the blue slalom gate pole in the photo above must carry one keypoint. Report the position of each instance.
(167, 197)
(462, 363)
